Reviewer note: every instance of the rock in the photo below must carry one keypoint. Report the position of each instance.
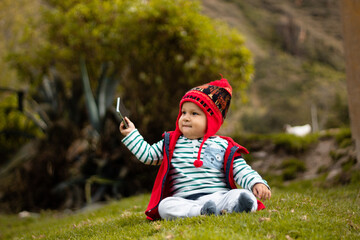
(333, 173)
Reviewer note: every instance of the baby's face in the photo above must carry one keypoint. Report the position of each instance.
(193, 121)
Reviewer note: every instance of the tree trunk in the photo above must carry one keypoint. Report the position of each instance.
(350, 11)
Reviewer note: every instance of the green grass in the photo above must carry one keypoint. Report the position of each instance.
(297, 211)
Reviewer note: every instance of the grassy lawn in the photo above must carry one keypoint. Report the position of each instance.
(297, 211)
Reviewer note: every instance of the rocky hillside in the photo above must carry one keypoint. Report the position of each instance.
(299, 78)
(299, 67)
(319, 20)
(329, 155)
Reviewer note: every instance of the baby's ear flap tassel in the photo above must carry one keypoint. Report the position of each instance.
(198, 163)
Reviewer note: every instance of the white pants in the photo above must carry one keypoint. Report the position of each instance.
(177, 207)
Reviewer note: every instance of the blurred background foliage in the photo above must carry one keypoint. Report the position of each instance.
(175, 44)
(70, 59)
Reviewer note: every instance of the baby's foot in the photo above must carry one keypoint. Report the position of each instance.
(245, 203)
(209, 208)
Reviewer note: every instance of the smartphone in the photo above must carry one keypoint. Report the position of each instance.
(121, 116)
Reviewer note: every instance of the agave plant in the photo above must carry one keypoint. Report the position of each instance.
(97, 106)
(49, 106)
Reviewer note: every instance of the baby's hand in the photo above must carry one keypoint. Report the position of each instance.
(261, 191)
(125, 131)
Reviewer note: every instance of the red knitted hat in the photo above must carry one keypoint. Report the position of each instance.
(214, 99)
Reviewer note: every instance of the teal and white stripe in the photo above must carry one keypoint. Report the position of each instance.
(245, 176)
(186, 179)
(150, 155)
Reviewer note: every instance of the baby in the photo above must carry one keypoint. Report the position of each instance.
(198, 169)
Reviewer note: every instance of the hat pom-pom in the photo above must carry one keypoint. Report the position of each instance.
(223, 83)
(198, 163)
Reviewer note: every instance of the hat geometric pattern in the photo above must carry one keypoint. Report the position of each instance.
(218, 95)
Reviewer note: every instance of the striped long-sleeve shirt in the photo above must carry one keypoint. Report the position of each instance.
(185, 178)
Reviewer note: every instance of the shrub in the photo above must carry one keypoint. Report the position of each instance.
(343, 137)
(291, 167)
(175, 49)
(293, 144)
(15, 128)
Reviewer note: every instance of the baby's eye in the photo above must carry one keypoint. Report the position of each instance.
(195, 113)
(183, 112)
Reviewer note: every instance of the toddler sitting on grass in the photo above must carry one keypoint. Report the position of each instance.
(198, 169)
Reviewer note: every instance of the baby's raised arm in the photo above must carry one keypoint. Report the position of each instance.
(146, 153)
